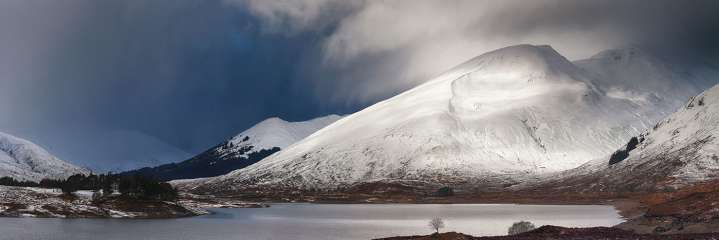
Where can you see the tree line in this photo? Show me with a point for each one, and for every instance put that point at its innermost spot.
(135, 187)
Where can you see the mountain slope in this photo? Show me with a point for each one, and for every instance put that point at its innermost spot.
(494, 120)
(680, 150)
(23, 160)
(247, 148)
(644, 79)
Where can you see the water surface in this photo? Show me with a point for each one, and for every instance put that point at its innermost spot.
(315, 221)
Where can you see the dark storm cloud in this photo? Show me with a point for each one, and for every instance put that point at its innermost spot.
(383, 46)
(189, 73)
(180, 76)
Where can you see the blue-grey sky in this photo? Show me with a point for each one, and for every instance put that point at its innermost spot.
(114, 84)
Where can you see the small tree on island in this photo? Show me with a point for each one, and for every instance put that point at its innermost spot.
(436, 223)
(520, 227)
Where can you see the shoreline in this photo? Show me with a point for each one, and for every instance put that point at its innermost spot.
(631, 208)
(51, 203)
(632, 211)
(197, 205)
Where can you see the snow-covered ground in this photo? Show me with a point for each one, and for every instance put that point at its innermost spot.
(517, 111)
(40, 202)
(24, 160)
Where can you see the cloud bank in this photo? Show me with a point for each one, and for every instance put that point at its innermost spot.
(372, 49)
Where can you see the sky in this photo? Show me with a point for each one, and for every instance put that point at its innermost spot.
(119, 84)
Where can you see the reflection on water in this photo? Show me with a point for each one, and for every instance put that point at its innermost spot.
(315, 221)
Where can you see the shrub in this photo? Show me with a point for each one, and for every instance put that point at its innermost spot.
(520, 227)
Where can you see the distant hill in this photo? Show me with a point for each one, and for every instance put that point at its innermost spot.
(24, 160)
(247, 148)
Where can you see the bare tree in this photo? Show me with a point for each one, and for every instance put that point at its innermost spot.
(520, 227)
(436, 223)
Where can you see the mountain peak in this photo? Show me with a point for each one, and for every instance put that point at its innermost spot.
(276, 123)
(521, 59)
(276, 132)
(516, 74)
(271, 123)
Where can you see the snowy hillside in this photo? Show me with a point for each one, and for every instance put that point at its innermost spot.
(247, 148)
(23, 160)
(502, 116)
(273, 132)
(681, 149)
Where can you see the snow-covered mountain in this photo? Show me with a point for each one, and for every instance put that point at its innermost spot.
(680, 150)
(247, 148)
(23, 160)
(498, 118)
